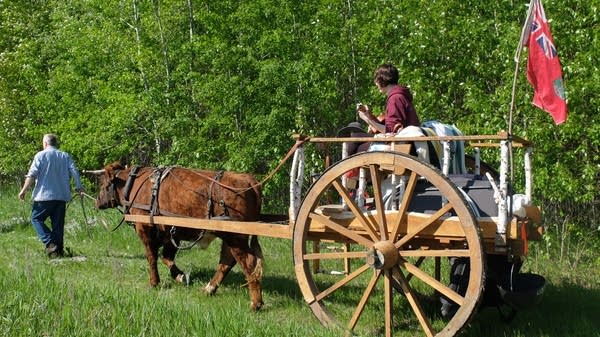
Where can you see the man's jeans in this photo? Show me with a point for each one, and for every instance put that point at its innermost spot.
(55, 210)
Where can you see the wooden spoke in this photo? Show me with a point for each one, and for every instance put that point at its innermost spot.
(341, 283)
(388, 293)
(437, 285)
(341, 229)
(408, 193)
(355, 210)
(412, 300)
(363, 300)
(445, 209)
(335, 255)
(378, 197)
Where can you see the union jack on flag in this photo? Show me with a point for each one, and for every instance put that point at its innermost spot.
(542, 39)
(547, 46)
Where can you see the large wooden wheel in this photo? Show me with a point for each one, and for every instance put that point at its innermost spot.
(395, 282)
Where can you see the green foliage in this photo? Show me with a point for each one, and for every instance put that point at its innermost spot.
(224, 84)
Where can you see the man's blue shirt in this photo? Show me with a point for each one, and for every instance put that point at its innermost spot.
(52, 170)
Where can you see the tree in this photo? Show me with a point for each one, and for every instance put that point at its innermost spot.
(224, 84)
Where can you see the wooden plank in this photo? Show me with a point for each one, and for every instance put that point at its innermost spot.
(502, 135)
(404, 139)
(241, 227)
(449, 227)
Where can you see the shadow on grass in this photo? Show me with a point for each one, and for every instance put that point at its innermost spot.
(285, 286)
(565, 310)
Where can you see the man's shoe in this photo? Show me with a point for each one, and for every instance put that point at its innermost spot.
(52, 250)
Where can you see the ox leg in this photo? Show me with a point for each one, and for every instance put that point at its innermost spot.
(147, 235)
(226, 262)
(168, 258)
(249, 257)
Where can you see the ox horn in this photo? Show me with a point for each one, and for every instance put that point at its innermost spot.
(94, 172)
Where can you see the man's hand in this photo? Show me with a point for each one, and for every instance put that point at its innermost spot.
(28, 182)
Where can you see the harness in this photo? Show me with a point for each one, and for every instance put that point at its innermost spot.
(210, 206)
(127, 189)
(156, 178)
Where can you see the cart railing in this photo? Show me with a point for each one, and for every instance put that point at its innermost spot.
(501, 140)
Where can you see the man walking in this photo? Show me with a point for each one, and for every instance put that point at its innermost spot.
(51, 171)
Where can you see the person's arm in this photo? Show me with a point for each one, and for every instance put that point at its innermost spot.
(374, 126)
(76, 178)
(28, 182)
(365, 114)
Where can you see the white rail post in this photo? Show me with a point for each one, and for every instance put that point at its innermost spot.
(344, 178)
(397, 186)
(447, 157)
(528, 173)
(500, 241)
(360, 191)
(296, 177)
(477, 161)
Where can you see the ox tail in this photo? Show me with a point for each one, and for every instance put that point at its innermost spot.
(257, 274)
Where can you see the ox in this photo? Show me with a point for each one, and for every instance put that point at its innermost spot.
(176, 191)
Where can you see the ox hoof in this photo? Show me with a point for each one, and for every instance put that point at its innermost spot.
(210, 289)
(183, 279)
(256, 306)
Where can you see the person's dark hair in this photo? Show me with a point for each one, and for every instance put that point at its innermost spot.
(51, 139)
(386, 74)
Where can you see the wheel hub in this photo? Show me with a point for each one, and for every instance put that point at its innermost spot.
(383, 255)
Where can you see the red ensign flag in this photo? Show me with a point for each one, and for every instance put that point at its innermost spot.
(543, 67)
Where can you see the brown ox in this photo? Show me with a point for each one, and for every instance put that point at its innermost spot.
(191, 193)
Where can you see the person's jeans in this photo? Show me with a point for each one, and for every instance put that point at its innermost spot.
(55, 210)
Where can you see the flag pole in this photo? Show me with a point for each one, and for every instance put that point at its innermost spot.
(522, 41)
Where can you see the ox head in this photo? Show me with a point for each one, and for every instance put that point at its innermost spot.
(109, 185)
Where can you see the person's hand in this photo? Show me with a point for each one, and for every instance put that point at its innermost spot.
(22, 195)
(80, 191)
(364, 112)
(362, 107)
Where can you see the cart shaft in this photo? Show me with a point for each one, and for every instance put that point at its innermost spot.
(232, 226)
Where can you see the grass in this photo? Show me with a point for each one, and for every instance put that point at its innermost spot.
(103, 289)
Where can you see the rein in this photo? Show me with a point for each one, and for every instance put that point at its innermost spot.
(239, 190)
(128, 204)
(82, 210)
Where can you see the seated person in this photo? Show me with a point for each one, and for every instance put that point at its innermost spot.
(399, 110)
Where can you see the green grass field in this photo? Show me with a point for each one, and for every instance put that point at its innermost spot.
(102, 290)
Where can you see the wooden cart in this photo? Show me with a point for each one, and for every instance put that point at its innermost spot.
(371, 258)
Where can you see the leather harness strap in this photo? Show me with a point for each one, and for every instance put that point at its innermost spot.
(156, 178)
(210, 209)
(127, 189)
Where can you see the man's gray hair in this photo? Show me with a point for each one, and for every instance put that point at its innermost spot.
(51, 139)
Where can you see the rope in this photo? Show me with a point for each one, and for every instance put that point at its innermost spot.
(298, 143)
(88, 196)
(83, 211)
(92, 198)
